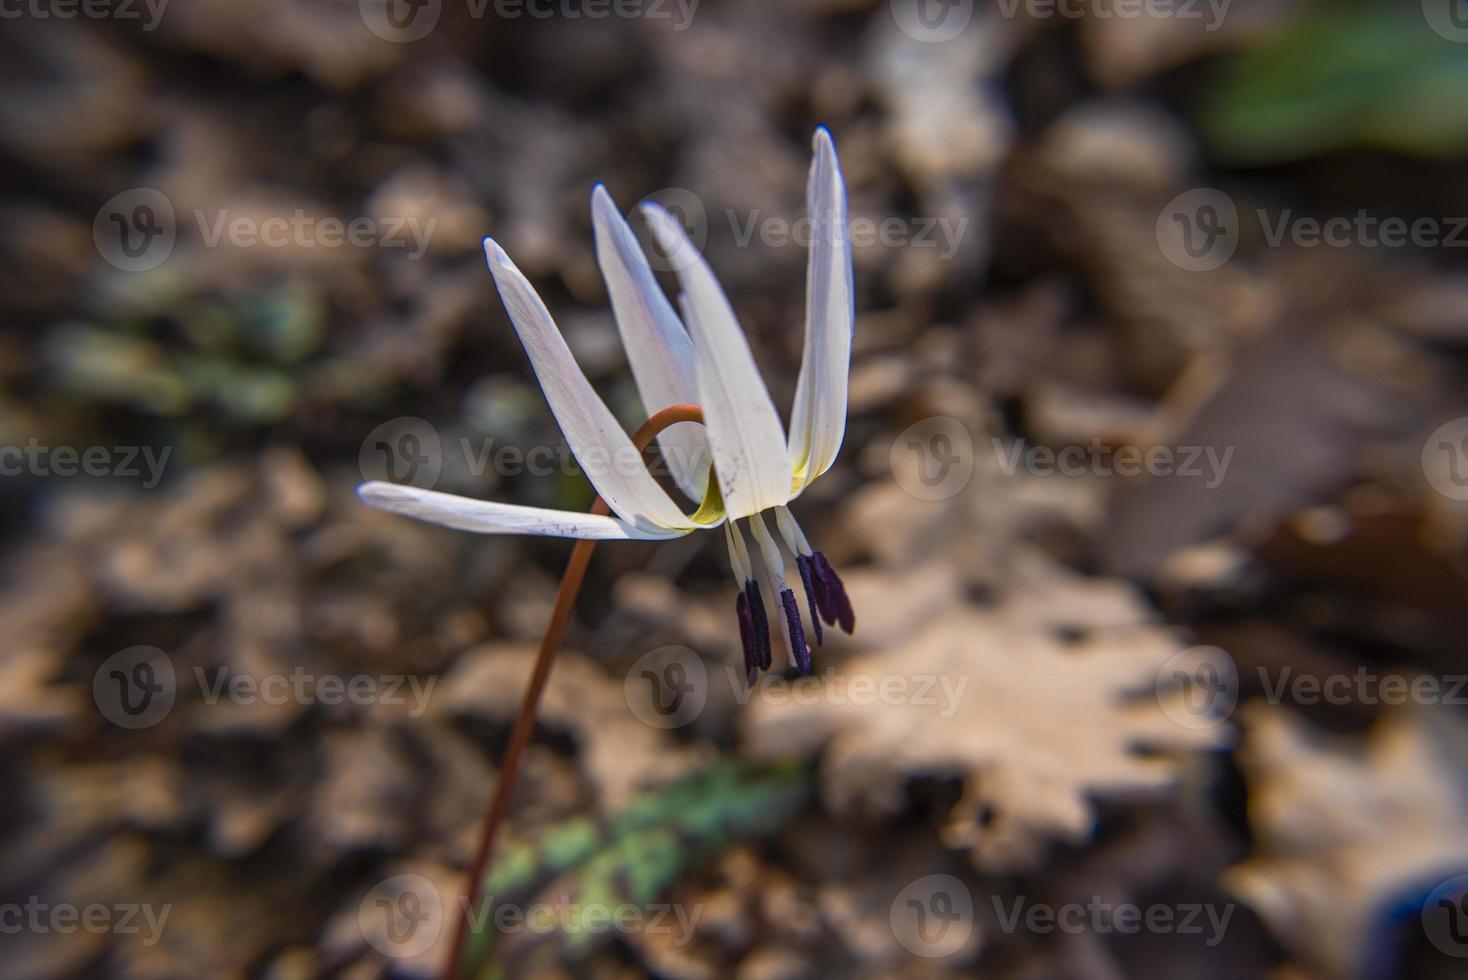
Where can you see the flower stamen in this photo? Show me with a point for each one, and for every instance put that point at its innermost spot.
(799, 546)
(763, 648)
(749, 607)
(789, 612)
(831, 594)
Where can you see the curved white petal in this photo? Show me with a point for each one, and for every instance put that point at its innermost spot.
(744, 429)
(657, 345)
(488, 517)
(610, 460)
(818, 418)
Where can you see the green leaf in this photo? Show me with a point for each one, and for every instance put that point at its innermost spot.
(582, 872)
(1349, 77)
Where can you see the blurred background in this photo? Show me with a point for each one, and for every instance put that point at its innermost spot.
(1151, 504)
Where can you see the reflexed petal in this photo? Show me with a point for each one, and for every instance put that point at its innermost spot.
(657, 345)
(818, 418)
(612, 463)
(488, 517)
(744, 429)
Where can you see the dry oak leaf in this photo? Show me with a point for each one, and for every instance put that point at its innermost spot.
(1034, 720)
(1343, 829)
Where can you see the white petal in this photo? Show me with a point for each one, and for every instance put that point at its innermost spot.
(611, 462)
(658, 348)
(487, 517)
(818, 419)
(744, 429)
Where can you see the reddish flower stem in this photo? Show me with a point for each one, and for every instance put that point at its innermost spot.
(529, 705)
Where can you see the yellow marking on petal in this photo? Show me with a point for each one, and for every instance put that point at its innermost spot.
(711, 511)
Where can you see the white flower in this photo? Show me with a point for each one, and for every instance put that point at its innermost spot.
(703, 359)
